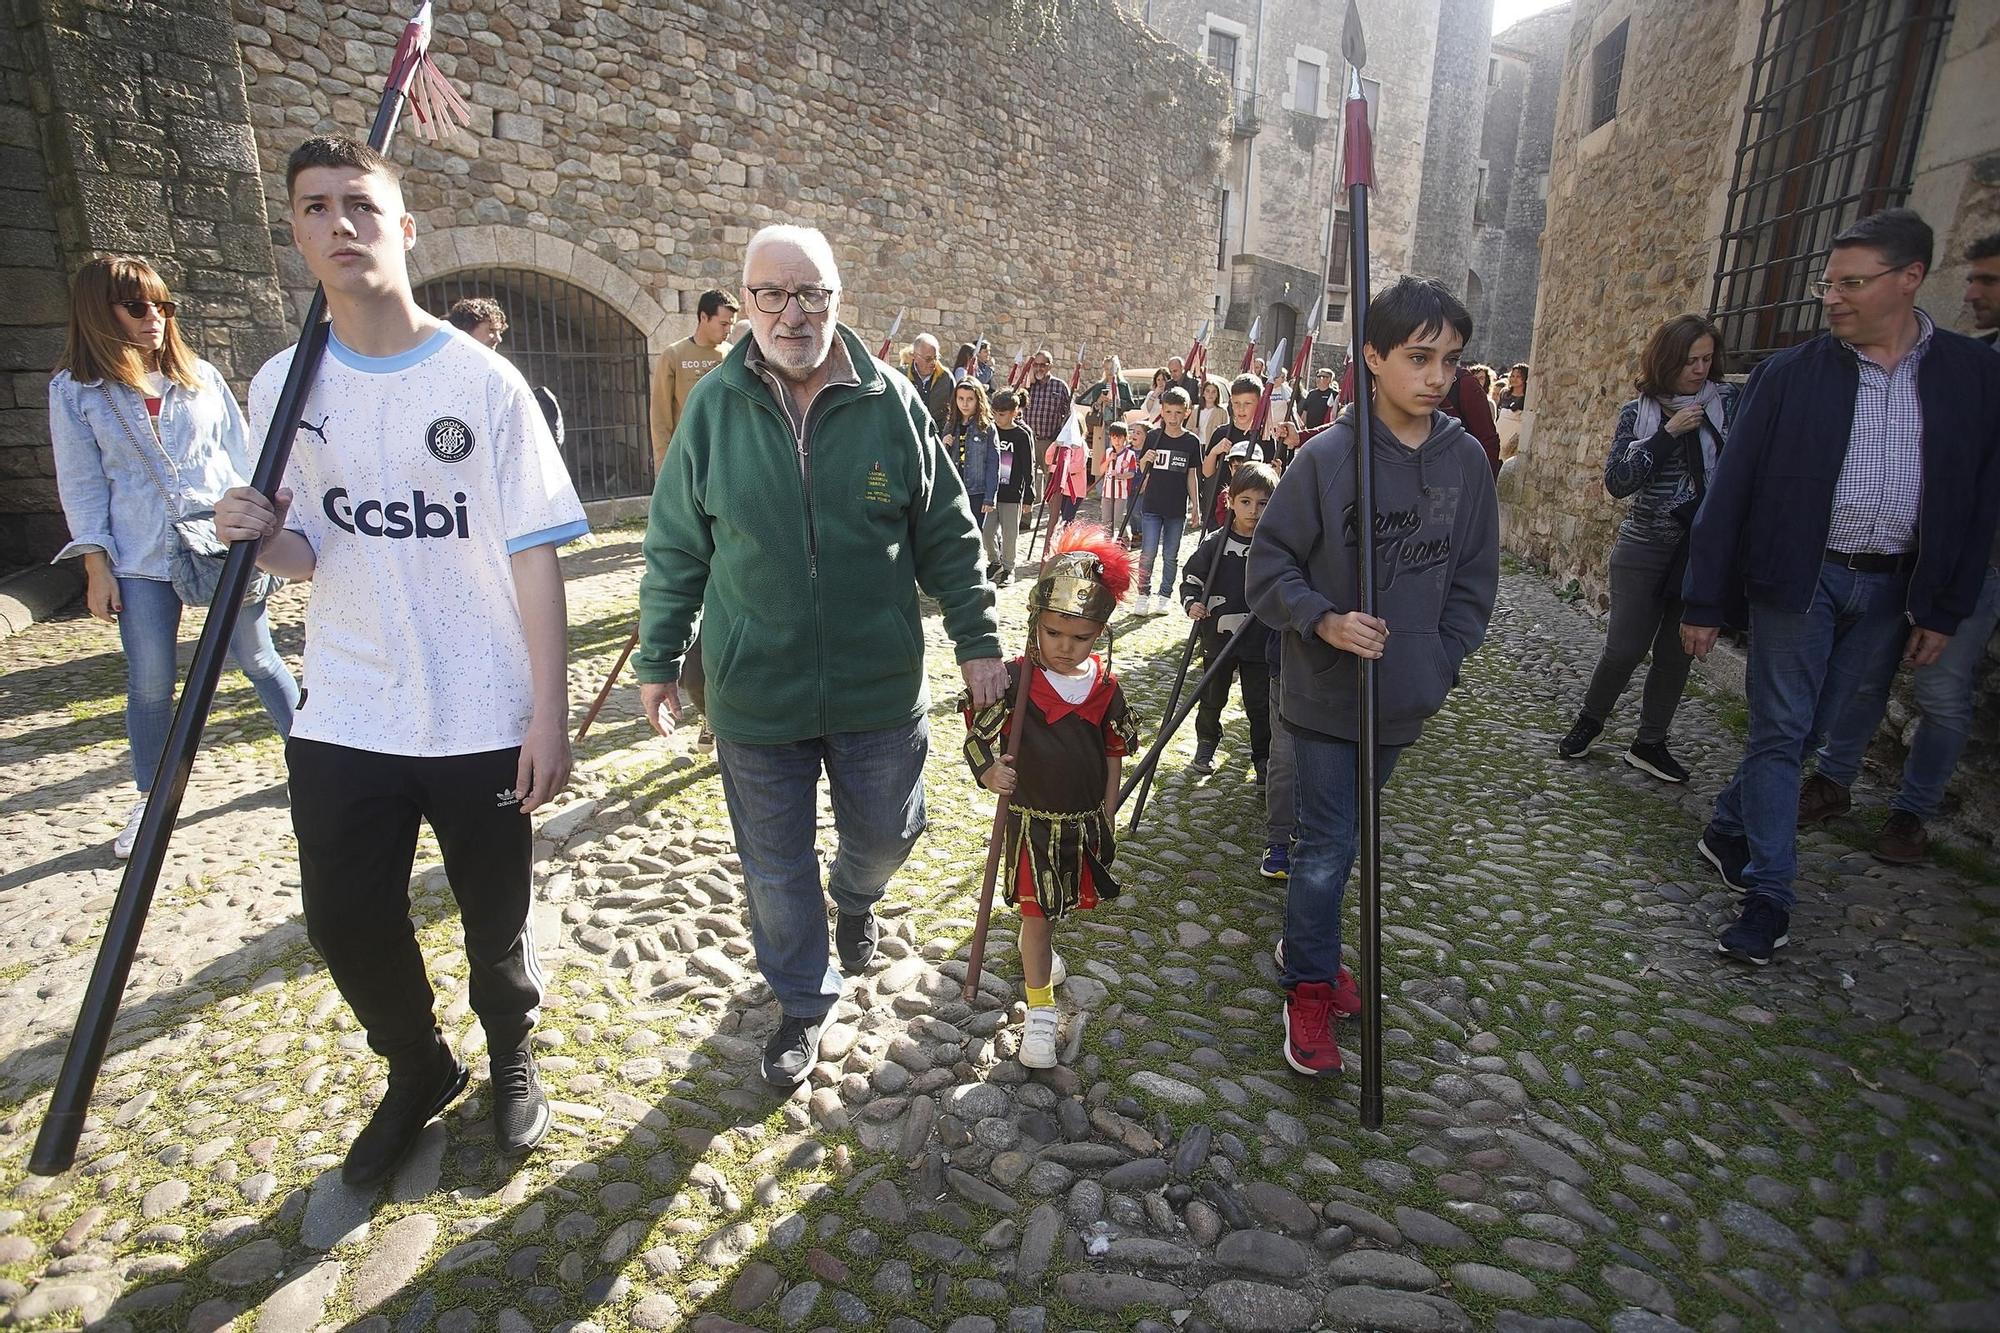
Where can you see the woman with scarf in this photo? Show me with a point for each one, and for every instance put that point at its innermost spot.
(1662, 455)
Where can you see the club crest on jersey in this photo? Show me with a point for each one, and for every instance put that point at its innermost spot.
(449, 440)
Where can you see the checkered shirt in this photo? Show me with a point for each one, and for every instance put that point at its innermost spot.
(1047, 410)
(1882, 481)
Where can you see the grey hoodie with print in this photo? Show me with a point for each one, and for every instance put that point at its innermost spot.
(1437, 568)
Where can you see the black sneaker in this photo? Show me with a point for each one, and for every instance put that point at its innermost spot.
(855, 937)
(1203, 762)
(1652, 757)
(415, 1096)
(1762, 928)
(1581, 733)
(520, 1108)
(793, 1050)
(1730, 857)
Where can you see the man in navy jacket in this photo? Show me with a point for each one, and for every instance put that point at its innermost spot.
(1853, 510)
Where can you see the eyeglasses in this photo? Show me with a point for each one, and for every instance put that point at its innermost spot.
(138, 309)
(773, 300)
(1821, 286)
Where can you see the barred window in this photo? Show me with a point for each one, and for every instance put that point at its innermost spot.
(589, 357)
(1607, 72)
(1838, 93)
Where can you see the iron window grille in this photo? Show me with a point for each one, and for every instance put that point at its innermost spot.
(587, 354)
(1838, 93)
(1607, 72)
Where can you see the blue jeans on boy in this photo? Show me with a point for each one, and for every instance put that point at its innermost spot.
(1159, 533)
(1804, 667)
(1943, 694)
(876, 781)
(1328, 831)
(149, 628)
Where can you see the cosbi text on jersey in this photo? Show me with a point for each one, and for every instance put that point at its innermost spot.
(414, 517)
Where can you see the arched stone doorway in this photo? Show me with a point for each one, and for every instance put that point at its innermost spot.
(591, 357)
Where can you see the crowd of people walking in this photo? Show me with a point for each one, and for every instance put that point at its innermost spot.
(1840, 506)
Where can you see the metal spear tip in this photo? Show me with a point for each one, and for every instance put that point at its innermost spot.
(1353, 42)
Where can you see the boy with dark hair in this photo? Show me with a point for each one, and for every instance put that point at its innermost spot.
(1219, 607)
(1001, 529)
(479, 316)
(1437, 570)
(1233, 442)
(430, 501)
(1168, 480)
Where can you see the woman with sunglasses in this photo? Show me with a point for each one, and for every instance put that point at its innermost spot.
(146, 433)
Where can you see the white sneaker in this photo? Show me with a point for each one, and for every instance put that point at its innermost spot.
(1038, 1038)
(121, 846)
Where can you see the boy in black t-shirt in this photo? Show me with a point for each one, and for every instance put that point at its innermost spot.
(1231, 444)
(1220, 607)
(1169, 481)
(1001, 529)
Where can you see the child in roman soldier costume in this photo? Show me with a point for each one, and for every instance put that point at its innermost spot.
(1063, 783)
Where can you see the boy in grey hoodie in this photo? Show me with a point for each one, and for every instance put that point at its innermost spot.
(1437, 567)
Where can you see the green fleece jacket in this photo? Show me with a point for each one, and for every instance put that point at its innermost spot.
(805, 563)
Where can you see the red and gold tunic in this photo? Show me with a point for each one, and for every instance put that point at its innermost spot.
(1057, 838)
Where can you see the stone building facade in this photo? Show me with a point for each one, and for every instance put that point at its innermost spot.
(1655, 207)
(1281, 211)
(1523, 80)
(622, 154)
(1442, 246)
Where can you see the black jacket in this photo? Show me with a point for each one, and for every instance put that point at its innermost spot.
(1761, 532)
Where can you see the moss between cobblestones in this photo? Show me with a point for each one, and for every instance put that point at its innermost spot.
(1458, 893)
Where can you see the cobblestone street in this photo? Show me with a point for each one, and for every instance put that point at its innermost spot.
(1593, 1120)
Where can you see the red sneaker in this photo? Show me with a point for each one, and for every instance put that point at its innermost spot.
(1346, 995)
(1309, 1044)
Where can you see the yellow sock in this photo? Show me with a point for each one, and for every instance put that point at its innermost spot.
(1041, 997)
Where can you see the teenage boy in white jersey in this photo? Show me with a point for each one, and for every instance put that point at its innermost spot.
(425, 500)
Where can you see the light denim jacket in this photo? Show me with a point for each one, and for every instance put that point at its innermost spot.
(109, 497)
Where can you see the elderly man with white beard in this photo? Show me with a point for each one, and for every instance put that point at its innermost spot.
(806, 500)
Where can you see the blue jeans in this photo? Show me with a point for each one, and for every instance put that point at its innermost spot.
(876, 781)
(1159, 533)
(149, 627)
(1329, 830)
(1943, 694)
(1803, 669)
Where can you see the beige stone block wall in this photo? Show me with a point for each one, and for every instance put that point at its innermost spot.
(1634, 210)
(632, 147)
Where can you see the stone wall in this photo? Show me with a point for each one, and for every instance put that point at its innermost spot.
(1442, 247)
(1629, 242)
(1516, 142)
(634, 147)
(124, 130)
(1635, 210)
(628, 147)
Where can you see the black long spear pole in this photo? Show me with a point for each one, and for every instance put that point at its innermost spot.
(1220, 663)
(1360, 174)
(62, 1127)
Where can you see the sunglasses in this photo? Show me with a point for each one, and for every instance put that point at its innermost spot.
(138, 309)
